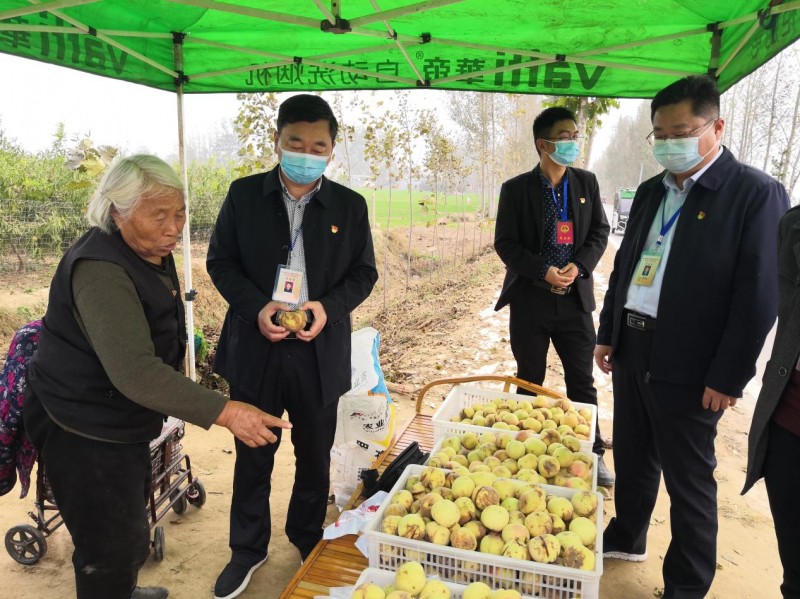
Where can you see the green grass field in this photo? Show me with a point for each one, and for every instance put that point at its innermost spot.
(424, 209)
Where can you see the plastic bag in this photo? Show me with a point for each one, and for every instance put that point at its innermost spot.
(365, 419)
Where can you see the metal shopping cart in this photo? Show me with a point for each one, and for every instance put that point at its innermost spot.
(173, 485)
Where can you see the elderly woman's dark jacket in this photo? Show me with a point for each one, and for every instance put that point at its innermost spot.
(66, 374)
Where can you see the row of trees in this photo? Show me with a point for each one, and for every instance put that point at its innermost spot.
(43, 195)
(41, 200)
(448, 144)
(762, 114)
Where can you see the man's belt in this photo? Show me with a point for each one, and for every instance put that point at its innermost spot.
(641, 322)
(553, 288)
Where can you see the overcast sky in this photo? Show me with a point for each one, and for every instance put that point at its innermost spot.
(36, 96)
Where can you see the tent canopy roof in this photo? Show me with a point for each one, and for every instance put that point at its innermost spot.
(620, 48)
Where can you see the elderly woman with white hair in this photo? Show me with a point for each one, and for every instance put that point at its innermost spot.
(108, 371)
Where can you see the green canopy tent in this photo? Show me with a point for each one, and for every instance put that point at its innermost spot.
(619, 48)
(615, 48)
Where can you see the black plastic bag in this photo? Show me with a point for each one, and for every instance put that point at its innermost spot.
(374, 483)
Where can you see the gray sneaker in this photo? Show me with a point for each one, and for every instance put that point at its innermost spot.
(605, 478)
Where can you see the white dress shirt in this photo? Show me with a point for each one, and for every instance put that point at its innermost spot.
(643, 299)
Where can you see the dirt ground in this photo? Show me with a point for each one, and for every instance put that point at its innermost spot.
(446, 327)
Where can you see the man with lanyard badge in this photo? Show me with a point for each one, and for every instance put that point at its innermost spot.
(551, 232)
(691, 298)
(288, 238)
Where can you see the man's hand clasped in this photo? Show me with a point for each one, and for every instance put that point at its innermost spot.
(269, 329)
(563, 277)
(320, 320)
(275, 332)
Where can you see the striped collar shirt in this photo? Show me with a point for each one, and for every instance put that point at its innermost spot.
(295, 209)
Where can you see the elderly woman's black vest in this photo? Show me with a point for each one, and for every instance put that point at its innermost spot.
(66, 374)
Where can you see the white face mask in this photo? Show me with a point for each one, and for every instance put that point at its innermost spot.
(680, 155)
(566, 152)
(302, 168)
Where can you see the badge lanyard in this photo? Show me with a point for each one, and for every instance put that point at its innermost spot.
(564, 235)
(563, 210)
(645, 272)
(293, 243)
(665, 227)
(288, 283)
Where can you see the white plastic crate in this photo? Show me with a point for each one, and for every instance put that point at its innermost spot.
(386, 577)
(438, 447)
(541, 581)
(462, 396)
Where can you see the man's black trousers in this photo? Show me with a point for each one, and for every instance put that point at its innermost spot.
(663, 428)
(291, 383)
(539, 316)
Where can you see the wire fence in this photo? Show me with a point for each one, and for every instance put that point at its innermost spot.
(34, 235)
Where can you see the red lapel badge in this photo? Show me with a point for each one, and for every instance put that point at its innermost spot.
(701, 215)
(334, 229)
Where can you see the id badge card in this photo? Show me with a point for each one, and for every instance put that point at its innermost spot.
(287, 285)
(646, 269)
(564, 232)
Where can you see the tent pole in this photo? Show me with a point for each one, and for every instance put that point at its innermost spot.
(29, 10)
(716, 45)
(189, 292)
(91, 31)
(393, 35)
(738, 48)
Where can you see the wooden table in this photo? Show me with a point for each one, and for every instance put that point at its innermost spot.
(337, 563)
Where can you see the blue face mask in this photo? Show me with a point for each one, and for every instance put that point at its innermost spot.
(303, 168)
(566, 152)
(679, 155)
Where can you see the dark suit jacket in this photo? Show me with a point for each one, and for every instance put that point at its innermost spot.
(719, 295)
(249, 242)
(519, 231)
(786, 350)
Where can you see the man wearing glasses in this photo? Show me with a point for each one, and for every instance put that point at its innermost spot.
(693, 293)
(551, 232)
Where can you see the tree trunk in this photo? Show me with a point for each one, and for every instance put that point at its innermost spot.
(783, 172)
(464, 226)
(386, 248)
(374, 214)
(410, 230)
(473, 236)
(22, 257)
(589, 143)
(772, 112)
(746, 139)
(582, 102)
(436, 211)
(493, 163)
